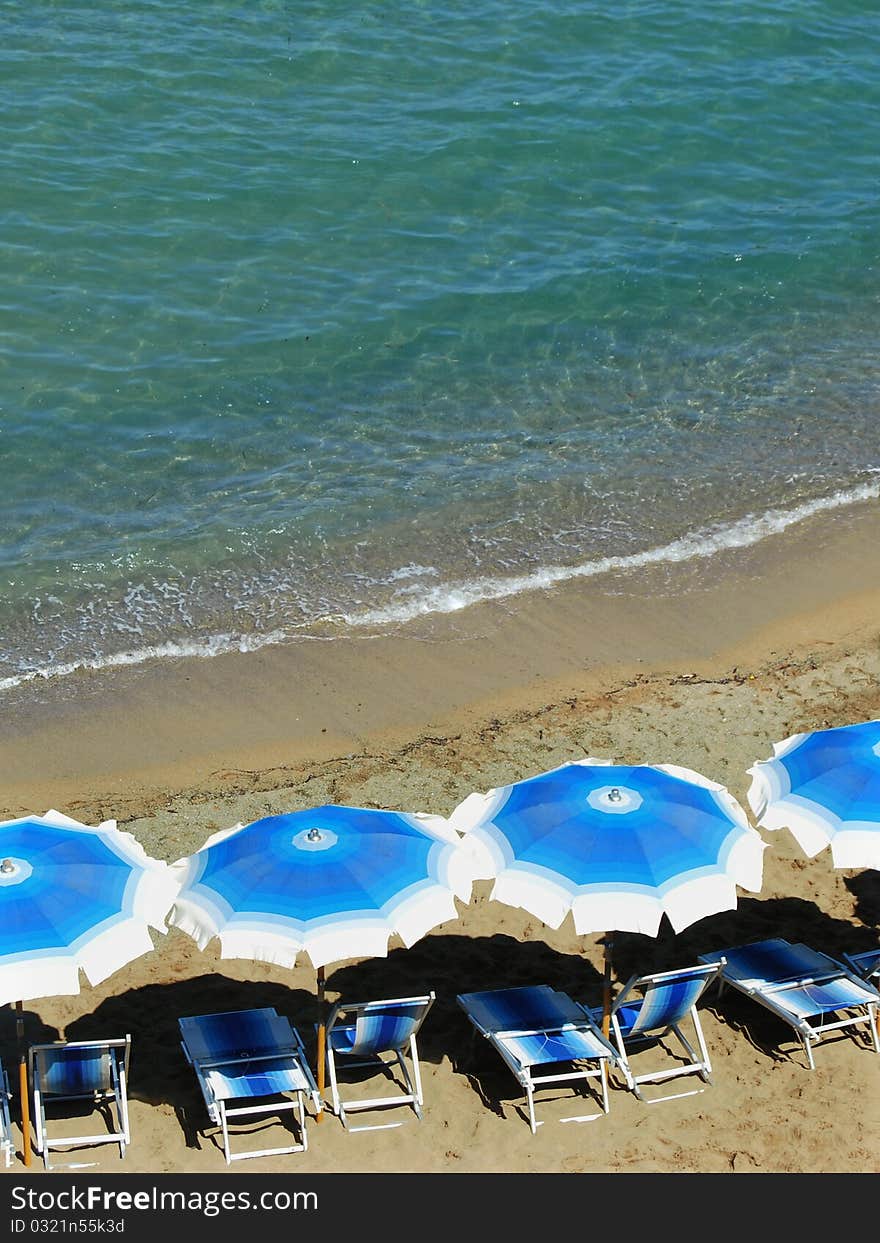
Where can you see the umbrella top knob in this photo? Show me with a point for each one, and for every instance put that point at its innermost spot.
(314, 839)
(615, 800)
(14, 871)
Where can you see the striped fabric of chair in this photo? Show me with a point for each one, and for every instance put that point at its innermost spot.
(647, 1010)
(254, 1056)
(665, 1004)
(377, 1035)
(535, 1025)
(70, 1070)
(66, 1071)
(810, 991)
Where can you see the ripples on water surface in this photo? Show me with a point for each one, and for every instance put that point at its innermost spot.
(309, 314)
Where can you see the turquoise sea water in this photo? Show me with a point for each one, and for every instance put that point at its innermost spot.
(316, 315)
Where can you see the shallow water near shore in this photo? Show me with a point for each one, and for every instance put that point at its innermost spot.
(395, 312)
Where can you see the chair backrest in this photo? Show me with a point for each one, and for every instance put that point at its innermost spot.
(668, 996)
(77, 1068)
(235, 1033)
(381, 1026)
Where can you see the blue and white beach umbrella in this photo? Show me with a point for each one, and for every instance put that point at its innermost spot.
(335, 882)
(824, 786)
(617, 845)
(73, 897)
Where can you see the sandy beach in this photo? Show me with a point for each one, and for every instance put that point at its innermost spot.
(704, 667)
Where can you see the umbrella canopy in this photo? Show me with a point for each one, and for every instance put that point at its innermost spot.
(336, 882)
(73, 897)
(619, 846)
(824, 786)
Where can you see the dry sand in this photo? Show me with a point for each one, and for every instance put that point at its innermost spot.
(700, 669)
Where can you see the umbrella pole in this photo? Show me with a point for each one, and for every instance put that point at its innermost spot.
(23, 1086)
(606, 987)
(322, 1043)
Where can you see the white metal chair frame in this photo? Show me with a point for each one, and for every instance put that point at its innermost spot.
(565, 1020)
(341, 1016)
(292, 1100)
(861, 1010)
(655, 1033)
(113, 1092)
(6, 1143)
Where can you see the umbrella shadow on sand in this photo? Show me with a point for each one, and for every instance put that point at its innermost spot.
(865, 888)
(160, 1075)
(755, 919)
(458, 964)
(449, 965)
(35, 1032)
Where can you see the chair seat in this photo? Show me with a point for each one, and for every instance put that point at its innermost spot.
(78, 1070)
(75, 1072)
(828, 997)
(247, 1056)
(651, 1008)
(535, 1026)
(545, 1048)
(266, 1077)
(235, 1033)
(381, 1037)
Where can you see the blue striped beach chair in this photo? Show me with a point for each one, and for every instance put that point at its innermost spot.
(250, 1064)
(545, 1038)
(376, 1035)
(66, 1071)
(6, 1144)
(650, 1008)
(810, 991)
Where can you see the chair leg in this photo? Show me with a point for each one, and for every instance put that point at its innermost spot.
(701, 1063)
(603, 1078)
(412, 1081)
(337, 1106)
(530, 1101)
(120, 1089)
(808, 1049)
(623, 1061)
(873, 1024)
(417, 1074)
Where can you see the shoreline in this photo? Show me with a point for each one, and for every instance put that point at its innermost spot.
(120, 742)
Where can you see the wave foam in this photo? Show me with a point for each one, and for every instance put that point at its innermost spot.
(705, 542)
